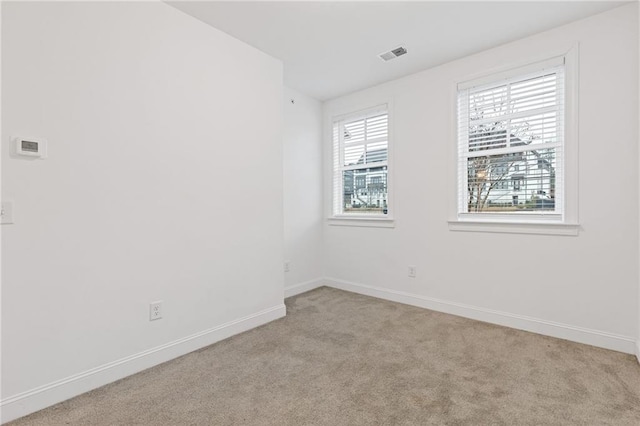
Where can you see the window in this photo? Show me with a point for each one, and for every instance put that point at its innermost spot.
(511, 146)
(361, 165)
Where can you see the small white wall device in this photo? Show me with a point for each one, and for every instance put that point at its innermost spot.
(31, 147)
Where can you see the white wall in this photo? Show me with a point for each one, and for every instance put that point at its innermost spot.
(302, 191)
(638, 118)
(163, 182)
(582, 288)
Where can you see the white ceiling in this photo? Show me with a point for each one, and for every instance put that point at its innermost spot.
(330, 48)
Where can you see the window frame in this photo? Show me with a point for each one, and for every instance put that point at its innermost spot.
(339, 218)
(532, 223)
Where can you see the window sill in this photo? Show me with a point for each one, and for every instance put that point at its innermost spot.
(362, 221)
(540, 228)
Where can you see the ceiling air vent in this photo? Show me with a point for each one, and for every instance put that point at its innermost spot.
(392, 54)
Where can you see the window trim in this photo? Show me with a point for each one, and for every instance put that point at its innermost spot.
(354, 219)
(549, 224)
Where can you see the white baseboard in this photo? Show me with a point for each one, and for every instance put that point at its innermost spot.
(44, 396)
(638, 351)
(548, 328)
(303, 287)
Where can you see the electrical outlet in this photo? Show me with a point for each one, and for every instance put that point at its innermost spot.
(155, 310)
(6, 212)
(287, 266)
(412, 271)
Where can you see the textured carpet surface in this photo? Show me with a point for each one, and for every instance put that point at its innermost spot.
(344, 359)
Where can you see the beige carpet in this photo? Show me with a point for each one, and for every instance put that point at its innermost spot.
(343, 359)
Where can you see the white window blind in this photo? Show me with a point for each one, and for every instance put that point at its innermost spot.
(361, 163)
(511, 145)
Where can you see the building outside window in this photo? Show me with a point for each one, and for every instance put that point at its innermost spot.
(511, 143)
(361, 164)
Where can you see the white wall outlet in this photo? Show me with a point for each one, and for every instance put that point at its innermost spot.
(412, 271)
(287, 266)
(6, 212)
(155, 310)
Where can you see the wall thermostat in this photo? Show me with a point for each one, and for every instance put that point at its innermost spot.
(31, 147)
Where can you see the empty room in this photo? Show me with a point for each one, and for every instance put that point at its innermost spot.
(320, 213)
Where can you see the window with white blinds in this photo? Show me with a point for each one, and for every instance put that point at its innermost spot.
(511, 144)
(361, 164)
